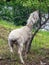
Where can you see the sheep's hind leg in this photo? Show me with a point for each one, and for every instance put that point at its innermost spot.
(11, 46)
(20, 49)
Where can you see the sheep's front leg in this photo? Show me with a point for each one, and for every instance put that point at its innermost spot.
(26, 48)
(20, 49)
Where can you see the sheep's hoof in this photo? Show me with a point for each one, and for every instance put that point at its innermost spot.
(11, 51)
(23, 62)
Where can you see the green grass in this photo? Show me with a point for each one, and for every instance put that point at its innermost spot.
(39, 44)
(41, 39)
(8, 24)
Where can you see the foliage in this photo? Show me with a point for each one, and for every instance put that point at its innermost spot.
(18, 11)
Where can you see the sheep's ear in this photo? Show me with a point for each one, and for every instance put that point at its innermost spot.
(37, 11)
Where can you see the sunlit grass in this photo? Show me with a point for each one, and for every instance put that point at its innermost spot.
(8, 24)
(41, 41)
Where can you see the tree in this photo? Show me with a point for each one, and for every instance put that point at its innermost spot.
(7, 0)
(22, 8)
(41, 24)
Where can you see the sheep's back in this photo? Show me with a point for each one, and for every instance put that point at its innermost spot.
(21, 34)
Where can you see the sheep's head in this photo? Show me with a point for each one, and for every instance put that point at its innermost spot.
(34, 16)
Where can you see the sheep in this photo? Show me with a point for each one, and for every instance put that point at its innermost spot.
(22, 36)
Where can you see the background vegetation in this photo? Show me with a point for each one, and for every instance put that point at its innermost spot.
(18, 11)
(14, 14)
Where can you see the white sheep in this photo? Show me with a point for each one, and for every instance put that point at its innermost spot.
(23, 35)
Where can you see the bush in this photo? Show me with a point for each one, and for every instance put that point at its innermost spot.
(18, 11)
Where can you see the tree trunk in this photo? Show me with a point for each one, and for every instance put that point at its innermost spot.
(37, 31)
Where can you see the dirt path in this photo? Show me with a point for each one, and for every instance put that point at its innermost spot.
(31, 60)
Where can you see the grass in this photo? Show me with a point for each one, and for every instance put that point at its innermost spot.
(40, 44)
(8, 24)
(41, 41)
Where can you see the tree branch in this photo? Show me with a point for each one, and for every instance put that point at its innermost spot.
(36, 33)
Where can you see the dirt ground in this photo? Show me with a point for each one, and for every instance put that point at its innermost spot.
(32, 59)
